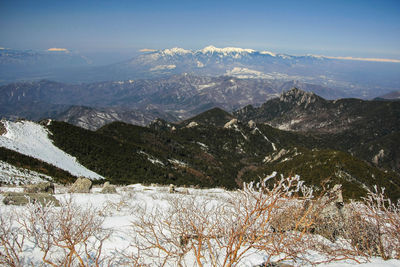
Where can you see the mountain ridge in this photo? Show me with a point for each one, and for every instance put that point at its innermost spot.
(173, 98)
(368, 129)
(360, 79)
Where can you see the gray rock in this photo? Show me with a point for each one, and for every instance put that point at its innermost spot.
(3, 129)
(329, 215)
(17, 198)
(81, 185)
(45, 187)
(108, 188)
(171, 188)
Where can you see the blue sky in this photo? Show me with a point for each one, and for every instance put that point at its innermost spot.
(326, 27)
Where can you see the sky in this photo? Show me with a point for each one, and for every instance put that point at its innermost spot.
(333, 28)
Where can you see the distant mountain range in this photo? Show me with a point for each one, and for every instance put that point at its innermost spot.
(18, 65)
(139, 102)
(217, 148)
(360, 79)
(395, 95)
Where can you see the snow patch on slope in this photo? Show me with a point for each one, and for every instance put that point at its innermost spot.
(12, 175)
(203, 86)
(32, 139)
(163, 67)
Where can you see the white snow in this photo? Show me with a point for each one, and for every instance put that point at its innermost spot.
(268, 53)
(233, 124)
(245, 73)
(199, 64)
(176, 50)
(288, 126)
(178, 162)
(203, 146)
(226, 50)
(121, 210)
(203, 86)
(32, 139)
(163, 67)
(152, 159)
(266, 138)
(10, 174)
(230, 124)
(192, 124)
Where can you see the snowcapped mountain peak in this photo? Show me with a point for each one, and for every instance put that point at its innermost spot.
(175, 51)
(268, 53)
(226, 50)
(235, 52)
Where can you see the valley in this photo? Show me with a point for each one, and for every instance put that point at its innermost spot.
(218, 148)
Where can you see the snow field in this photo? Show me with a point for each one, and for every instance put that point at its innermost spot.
(9, 174)
(32, 139)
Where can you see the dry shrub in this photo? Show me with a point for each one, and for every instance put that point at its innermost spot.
(12, 240)
(374, 226)
(223, 233)
(67, 236)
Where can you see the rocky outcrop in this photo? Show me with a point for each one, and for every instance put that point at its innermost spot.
(108, 188)
(81, 185)
(3, 129)
(18, 198)
(231, 124)
(45, 187)
(329, 215)
(171, 188)
(324, 216)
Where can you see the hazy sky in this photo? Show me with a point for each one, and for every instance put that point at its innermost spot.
(328, 27)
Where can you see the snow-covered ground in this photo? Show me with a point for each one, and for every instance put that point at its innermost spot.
(32, 139)
(120, 211)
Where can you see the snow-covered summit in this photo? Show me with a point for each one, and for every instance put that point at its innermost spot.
(234, 52)
(32, 139)
(226, 50)
(268, 53)
(175, 51)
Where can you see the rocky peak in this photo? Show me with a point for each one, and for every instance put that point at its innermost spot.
(3, 129)
(160, 124)
(298, 96)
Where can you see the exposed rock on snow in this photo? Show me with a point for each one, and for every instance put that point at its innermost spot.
(3, 129)
(171, 188)
(378, 156)
(18, 198)
(230, 123)
(108, 188)
(46, 187)
(81, 185)
(251, 124)
(192, 124)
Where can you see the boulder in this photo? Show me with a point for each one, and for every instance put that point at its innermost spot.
(171, 188)
(45, 187)
(81, 185)
(329, 214)
(18, 198)
(108, 188)
(251, 124)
